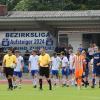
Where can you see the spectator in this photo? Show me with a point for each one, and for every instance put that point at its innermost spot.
(95, 47)
(70, 47)
(80, 48)
(91, 51)
(26, 58)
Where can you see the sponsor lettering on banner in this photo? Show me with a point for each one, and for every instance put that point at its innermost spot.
(28, 40)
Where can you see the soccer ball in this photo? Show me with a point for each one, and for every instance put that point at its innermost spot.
(13, 65)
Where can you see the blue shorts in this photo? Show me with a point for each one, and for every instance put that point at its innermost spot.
(96, 70)
(17, 73)
(54, 72)
(33, 72)
(65, 71)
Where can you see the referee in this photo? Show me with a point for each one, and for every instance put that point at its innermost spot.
(44, 62)
(9, 62)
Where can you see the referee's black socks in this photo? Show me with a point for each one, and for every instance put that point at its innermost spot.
(50, 86)
(40, 82)
(10, 83)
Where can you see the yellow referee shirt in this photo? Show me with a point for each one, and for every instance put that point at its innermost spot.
(9, 60)
(44, 60)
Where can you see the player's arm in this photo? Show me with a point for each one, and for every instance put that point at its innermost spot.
(66, 61)
(98, 64)
(60, 64)
(4, 61)
(84, 64)
(29, 64)
(14, 62)
(73, 63)
(91, 64)
(22, 64)
(49, 60)
(39, 59)
(51, 63)
(3, 64)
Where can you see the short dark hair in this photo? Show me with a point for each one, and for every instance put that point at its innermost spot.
(16, 51)
(54, 54)
(62, 53)
(10, 48)
(34, 50)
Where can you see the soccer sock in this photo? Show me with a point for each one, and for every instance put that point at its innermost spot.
(35, 81)
(19, 85)
(63, 81)
(83, 81)
(50, 86)
(56, 81)
(79, 81)
(99, 82)
(40, 82)
(10, 83)
(93, 81)
(87, 83)
(14, 83)
(53, 80)
(72, 82)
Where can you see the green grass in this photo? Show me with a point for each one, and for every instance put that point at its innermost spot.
(58, 93)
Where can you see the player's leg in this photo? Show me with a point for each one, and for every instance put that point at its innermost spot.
(63, 76)
(14, 79)
(53, 76)
(98, 75)
(78, 78)
(67, 75)
(93, 78)
(99, 81)
(35, 78)
(86, 77)
(10, 78)
(57, 76)
(60, 75)
(41, 74)
(47, 73)
(73, 77)
(20, 79)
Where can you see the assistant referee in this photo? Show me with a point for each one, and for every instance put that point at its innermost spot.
(9, 62)
(44, 64)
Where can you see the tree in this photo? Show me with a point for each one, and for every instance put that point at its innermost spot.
(51, 5)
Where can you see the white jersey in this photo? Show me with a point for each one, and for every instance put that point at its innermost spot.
(64, 61)
(71, 60)
(19, 63)
(33, 60)
(91, 51)
(55, 63)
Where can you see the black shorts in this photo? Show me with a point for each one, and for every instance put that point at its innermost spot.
(44, 71)
(8, 71)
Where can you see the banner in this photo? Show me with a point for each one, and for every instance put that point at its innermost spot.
(28, 40)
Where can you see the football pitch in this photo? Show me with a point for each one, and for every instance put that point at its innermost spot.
(27, 92)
